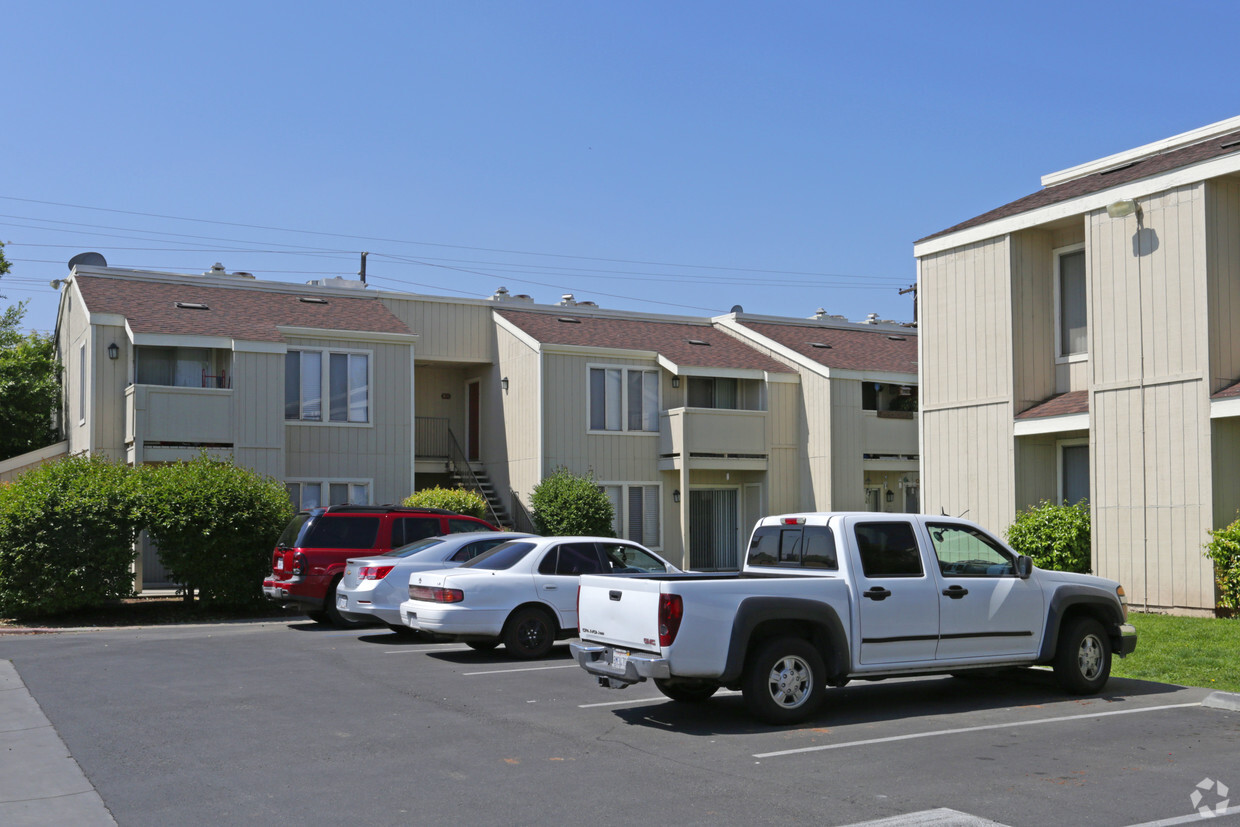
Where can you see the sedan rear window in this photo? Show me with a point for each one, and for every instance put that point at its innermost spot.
(503, 556)
(414, 548)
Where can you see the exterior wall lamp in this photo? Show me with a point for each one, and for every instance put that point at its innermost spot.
(503, 383)
(891, 496)
(676, 496)
(675, 381)
(113, 351)
(1124, 208)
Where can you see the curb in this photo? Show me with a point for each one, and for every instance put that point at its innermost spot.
(1223, 700)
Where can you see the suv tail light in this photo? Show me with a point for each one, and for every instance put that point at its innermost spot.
(671, 611)
(374, 572)
(435, 594)
(299, 564)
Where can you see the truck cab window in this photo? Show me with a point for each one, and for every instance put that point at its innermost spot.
(963, 552)
(888, 549)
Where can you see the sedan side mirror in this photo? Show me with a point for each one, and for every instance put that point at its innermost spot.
(1024, 567)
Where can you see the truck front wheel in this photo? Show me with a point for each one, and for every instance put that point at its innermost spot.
(785, 681)
(686, 692)
(1083, 657)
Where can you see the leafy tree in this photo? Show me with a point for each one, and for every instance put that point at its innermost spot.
(1224, 550)
(1055, 536)
(29, 383)
(215, 525)
(67, 532)
(566, 503)
(452, 499)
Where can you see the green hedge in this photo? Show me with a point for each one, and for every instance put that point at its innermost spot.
(1224, 550)
(215, 525)
(1055, 536)
(67, 532)
(567, 504)
(452, 499)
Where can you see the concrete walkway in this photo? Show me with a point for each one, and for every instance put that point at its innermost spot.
(40, 783)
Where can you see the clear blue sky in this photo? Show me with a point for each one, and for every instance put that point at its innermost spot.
(675, 157)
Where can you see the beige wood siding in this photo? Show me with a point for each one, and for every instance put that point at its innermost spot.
(971, 473)
(1223, 276)
(381, 450)
(786, 463)
(258, 411)
(106, 400)
(965, 333)
(1033, 318)
(521, 407)
(848, 444)
(1037, 469)
(1152, 492)
(449, 331)
(626, 456)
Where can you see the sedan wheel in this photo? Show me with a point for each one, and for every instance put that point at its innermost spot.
(529, 633)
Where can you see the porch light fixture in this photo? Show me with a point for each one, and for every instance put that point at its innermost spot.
(113, 351)
(676, 496)
(675, 381)
(891, 496)
(503, 383)
(1123, 209)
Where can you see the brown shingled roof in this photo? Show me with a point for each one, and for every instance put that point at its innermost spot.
(238, 313)
(847, 349)
(1072, 402)
(669, 339)
(1229, 392)
(1215, 147)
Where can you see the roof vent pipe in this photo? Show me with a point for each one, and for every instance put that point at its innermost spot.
(871, 319)
(217, 269)
(567, 300)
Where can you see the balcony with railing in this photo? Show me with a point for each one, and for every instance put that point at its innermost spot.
(178, 415)
(713, 438)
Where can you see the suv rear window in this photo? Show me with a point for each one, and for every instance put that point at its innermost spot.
(292, 531)
(411, 529)
(332, 531)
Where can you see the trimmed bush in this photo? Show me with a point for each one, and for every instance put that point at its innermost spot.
(452, 499)
(1055, 536)
(215, 525)
(566, 504)
(67, 532)
(1224, 550)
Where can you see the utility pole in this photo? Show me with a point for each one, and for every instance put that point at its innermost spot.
(912, 288)
(362, 272)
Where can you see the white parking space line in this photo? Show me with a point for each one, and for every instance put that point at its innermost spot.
(962, 730)
(521, 669)
(941, 817)
(421, 650)
(655, 699)
(1188, 819)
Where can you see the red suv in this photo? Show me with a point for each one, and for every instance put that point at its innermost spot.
(310, 556)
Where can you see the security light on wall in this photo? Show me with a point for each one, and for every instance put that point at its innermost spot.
(675, 381)
(503, 383)
(891, 496)
(676, 496)
(113, 351)
(1122, 209)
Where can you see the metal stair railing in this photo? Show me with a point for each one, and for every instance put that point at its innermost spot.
(456, 462)
(521, 519)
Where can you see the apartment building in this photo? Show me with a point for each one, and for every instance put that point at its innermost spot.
(1081, 343)
(694, 427)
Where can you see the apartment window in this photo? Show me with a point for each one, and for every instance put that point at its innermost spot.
(1071, 313)
(635, 512)
(712, 392)
(306, 495)
(346, 377)
(1073, 471)
(624, 399)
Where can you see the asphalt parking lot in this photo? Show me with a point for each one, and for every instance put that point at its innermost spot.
(288, 722)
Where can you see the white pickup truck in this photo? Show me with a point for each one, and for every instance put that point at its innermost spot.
(826, 598)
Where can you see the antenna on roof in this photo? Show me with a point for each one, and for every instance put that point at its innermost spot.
(88, 260)
(362, 272)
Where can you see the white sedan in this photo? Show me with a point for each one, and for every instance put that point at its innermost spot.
(522, 593)
(373, 587)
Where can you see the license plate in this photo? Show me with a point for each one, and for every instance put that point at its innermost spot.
(619, 658)
(279, 564)
(342, 602)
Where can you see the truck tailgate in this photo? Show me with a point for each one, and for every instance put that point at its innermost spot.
(620, 611)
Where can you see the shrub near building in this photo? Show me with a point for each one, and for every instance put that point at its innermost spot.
(215, 524)
(67, 532)
(1224, 550)
(450, 499)
(566, 504)
(1055, 536)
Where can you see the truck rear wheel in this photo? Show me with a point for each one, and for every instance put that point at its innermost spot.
(687, 692)
(1083, 657)
(785, 681)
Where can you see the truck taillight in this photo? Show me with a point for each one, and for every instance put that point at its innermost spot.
(299, 564)
(671, 611)
(374, 572)
(435, 594)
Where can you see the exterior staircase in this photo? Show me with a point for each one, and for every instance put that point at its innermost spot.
(473, 477)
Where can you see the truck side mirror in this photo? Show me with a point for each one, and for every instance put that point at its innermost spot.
(1024, 567)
